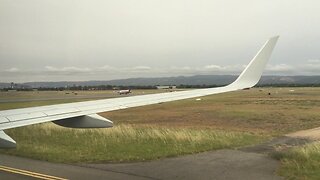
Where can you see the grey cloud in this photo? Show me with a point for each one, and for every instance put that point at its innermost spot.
(110, 72)
(282, 68)
(67, 69)
(73, 72)
(95, 70)
(214, 67)
(13, 69)
(314, 61)
(312, 67)
(141, 68)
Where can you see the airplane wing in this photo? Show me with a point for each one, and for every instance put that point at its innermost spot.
(84, 114)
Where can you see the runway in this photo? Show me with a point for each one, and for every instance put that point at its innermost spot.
(222, 164)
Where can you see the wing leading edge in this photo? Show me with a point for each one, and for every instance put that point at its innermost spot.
(83, 114)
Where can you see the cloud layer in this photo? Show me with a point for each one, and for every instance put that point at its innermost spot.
(107, 72)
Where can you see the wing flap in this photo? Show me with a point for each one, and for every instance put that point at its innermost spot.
(20, 117)
(97, 106)
(3, 120)
(61, 111)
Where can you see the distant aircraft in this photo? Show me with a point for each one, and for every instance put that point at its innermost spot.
(84, 114)
(127, 91)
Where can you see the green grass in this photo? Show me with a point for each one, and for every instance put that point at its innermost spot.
(301, 162)
(120, 143)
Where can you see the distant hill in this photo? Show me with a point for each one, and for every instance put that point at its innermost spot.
(297, 80)
(180, 80)
(4, 85)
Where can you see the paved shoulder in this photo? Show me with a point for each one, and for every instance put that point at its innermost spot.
(222, 164)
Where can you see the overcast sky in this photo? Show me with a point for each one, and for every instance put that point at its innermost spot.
(56, 40)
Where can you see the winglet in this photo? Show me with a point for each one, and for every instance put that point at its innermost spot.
(252, 73)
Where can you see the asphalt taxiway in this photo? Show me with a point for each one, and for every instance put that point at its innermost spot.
(221, 164)
(251, 162)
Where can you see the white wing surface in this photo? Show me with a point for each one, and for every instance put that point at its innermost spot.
(84, 114)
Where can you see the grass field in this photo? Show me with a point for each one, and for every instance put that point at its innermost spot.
(69, 94)
(301, 162)
(182, 127)
(12, 100)
(254, 111)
